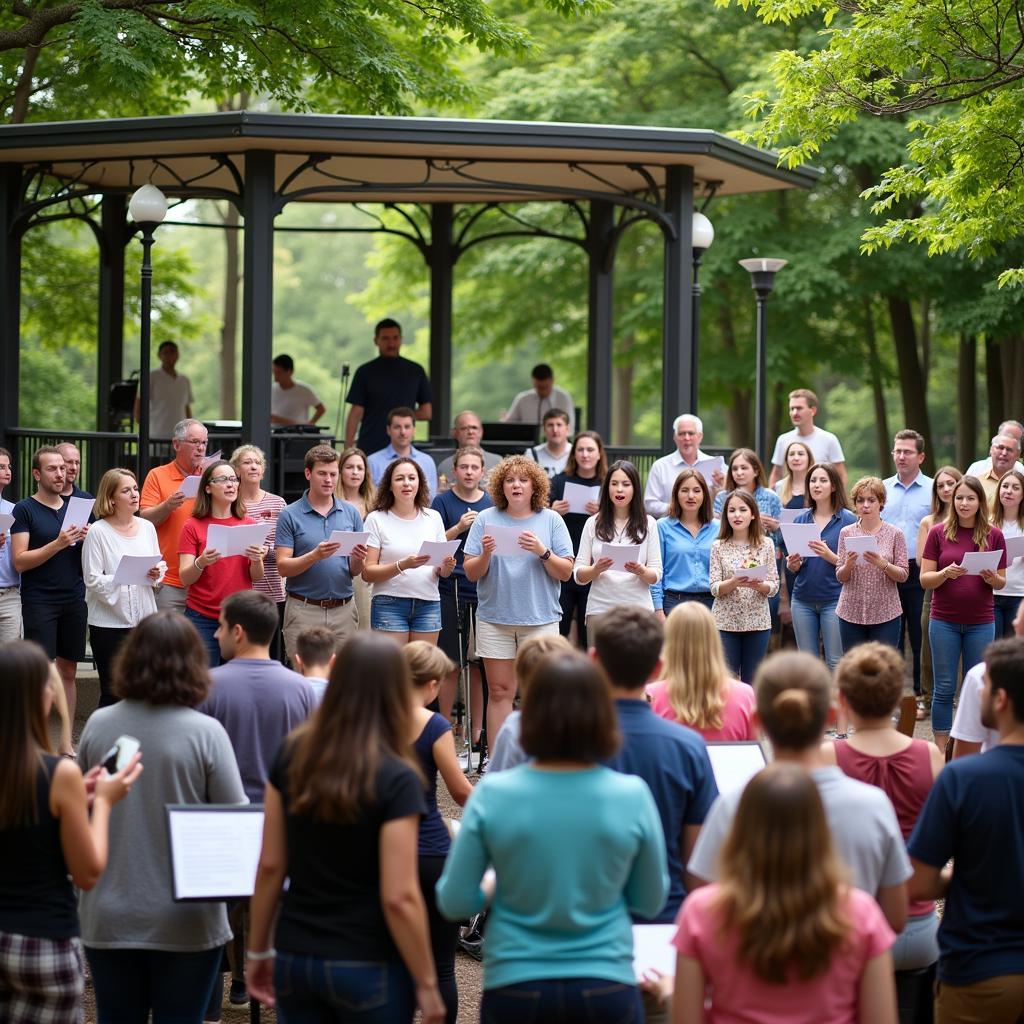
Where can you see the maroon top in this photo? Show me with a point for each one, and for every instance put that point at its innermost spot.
(967, 601)
(905, 778)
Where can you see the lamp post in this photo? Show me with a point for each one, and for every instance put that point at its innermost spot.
(147, 208)
(703, 234)
(762, 280)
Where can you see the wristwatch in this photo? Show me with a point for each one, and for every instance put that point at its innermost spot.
(546, 555)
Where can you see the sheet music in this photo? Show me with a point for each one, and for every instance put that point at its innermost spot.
(653, 949)
(735, 764)
(214, 853)
(233, 540)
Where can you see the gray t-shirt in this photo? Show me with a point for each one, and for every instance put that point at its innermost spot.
(863, 823)
(188, 760)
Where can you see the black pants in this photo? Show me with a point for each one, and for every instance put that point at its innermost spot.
(443, 936)
(912, 601)
(105, 642)
(573, 600)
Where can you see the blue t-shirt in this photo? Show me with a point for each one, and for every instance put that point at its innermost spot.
(816, 581)
(452, 508)
(673, 760)
(434, 838)
(59, 579)
(975, 814)
(382, 385)
(301, 528)
(516, 590)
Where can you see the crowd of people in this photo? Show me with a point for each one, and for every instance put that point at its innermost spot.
(630, 621)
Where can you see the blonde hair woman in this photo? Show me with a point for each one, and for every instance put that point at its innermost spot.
(698, 689)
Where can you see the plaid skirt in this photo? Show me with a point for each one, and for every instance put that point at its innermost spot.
(41, 980)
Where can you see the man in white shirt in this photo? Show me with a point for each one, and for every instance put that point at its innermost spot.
(554, 453)
(531, 405)
(290, 399)
(803, 407)
(982, 466)
(170, 394)
(689, 432)
(1004, 455)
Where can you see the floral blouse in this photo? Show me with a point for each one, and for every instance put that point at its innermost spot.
(869, 597)
(744, 610)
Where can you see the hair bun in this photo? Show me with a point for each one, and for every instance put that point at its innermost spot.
(793, 708)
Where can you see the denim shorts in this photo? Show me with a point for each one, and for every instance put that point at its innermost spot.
(390, 614)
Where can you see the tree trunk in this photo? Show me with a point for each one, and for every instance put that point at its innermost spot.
(1016, 397)
(622, 390)
(23, 90)
(229, 323)
(926, 342)
(737, 411)
(904, 336)
(993, 385)
(877, 391)
(967, 400)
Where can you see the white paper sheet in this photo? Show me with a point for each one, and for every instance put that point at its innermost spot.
(214, 853)
(620, 554)
(190, 485)
(348, 539)
(735, 764)
(797, 536)
(653, 949)
(438, 550)
(1014, 548)
(7, 521)
(862, 545)
(78, 512)
(758, 572)
(788, 515)
(507, 538)
(577, 495)
(233, 540)
(211, 459)
(709, 467)
(133, 569)
(975, 561)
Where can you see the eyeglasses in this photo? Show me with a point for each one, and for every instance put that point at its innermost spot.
(1002, 448)
(905, 453)
(194, 440)
(223, 479)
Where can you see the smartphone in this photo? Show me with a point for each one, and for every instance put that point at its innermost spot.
(118, 756)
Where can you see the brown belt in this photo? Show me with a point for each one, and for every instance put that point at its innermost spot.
(327, 602)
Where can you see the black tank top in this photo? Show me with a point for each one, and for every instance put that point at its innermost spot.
(36, 896)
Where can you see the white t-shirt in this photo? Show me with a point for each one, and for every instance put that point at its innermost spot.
(551, 464)
(398, 538)
(826, 446)
(168, 397)
(529, 407)
(1015, 571)
(616, 586)
(294, 403)
(967, 724)
(982, 466)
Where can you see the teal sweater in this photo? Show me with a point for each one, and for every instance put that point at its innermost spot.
(574, 854)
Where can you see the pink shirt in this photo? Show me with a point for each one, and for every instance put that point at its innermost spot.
(869, 597)
(738, 996)
(736, 715)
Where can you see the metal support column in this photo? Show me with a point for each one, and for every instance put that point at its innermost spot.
(258, 298)
(677, 332)
(442, 267)
(110, 332)
(600, 294)
(10, 301)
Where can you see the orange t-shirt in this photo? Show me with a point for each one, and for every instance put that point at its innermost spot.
(160, 484)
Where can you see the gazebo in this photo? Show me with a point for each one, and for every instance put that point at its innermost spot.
(455, 170)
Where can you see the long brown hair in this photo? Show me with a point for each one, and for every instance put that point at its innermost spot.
(24, 670)
(636, 527)
(366, 489)
(385, 496)
(998, 510)
(838, 498)
(750, 456)
(365, 716)
(601, 469)
(696, 675)
(203, 507)
(982, 526)
(781, 882)
(938, 509)
(755, 532)
(707, 506)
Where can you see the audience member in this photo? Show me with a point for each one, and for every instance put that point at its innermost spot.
(793, 693)
(49, 559)
(869, 604)
(434, 747)
(356, 487)
(696, 688)
(739, 945)
(343, 807)
(587, 466)
(973, 815)
(164, 503)
(1008, 517)
(814, 595)
(314, 656)
(745, 473)
(803, 407)
(406, 602)
(1005, 455)
(170, 394)
(531, 405)
(114, 608)
(558, 933)
(518, 595)
(10, 580)
(672, 761)
(319, 579)
(741, 608)
(685, 536)
(554, 452)
(290, 399)
(209, 576)
(72, 467)
(620, 520)
(146, 951)
(53, 839)
(384, 383)
(400, 427)
(688, 431)
(468, 430)
(1012, 428)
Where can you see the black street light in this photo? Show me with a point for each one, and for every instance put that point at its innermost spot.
(762, 280)
(703, 234)
(147, 208)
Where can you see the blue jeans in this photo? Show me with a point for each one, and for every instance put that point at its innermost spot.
(312, 990)
(949, 641)
(562, 1001)
(391, 614)
(131, 982)
(673, 597)
(853, 633)
(814, 619)
(1006, 611)
(745, 651)
(206, 627)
